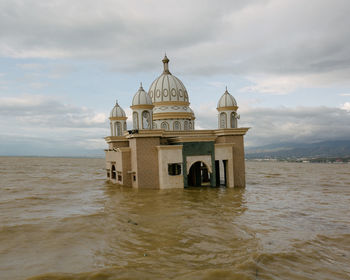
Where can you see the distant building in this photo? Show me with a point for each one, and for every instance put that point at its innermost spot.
(163, 150)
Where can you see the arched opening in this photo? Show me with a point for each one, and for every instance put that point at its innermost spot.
(135, 120)
(177, 125)
(114, 173)
(223, 119)
(186, 125)
(233, 120)
(198, 175)
(146, 121)
(164, 125)
(119, 129)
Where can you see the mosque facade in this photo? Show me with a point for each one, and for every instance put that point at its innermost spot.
(164, 150)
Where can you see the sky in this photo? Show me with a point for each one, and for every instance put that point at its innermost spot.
(64, 63)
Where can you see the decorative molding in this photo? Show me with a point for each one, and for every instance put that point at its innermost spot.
(182, 139)
(231, 131)
(118, 118)
(142, 106)
(230, 108)
(169, 147)
(111, 139)
(170, 103)
(173, 115)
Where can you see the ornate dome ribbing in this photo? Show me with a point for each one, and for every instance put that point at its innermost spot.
(168, 88)
(141, 98)
(117, 111)
(227, 100)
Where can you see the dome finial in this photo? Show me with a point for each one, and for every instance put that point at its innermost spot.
(116, 102)
(141, 88)
(166, 66)
(226, 90)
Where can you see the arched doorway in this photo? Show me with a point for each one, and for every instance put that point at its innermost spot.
(198, 175)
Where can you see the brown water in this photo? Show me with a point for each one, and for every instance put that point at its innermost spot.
(59, 219)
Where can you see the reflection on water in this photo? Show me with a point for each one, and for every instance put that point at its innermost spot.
(60, 219)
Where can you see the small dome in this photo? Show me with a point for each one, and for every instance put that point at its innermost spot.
(227, 100)
(141, 97)
(167, 87)
(117, 111)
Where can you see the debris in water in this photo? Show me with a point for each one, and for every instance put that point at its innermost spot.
(132, 222)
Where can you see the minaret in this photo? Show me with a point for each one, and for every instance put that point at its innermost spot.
(142, 110)
(117, 120)
(227, 108)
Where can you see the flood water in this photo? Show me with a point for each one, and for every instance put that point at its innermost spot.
(60, 219)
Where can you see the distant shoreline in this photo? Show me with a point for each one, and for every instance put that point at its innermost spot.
(345, 160)
(33, 156)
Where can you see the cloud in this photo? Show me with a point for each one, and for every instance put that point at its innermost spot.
(48, 112)
(54, 128)
(346, 106)
(284, 124)
(284, 84)
(31, 66)
(47, 126)
(289, 39)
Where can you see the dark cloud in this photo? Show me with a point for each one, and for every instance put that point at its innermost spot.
(38, 119)
(278, 125)
(41, 111)
(206, 37)
(39, 125)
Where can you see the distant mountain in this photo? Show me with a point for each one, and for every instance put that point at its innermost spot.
(326, 149)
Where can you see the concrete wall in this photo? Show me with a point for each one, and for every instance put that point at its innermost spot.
(144, 161)
(126, 167)
(225, 152)
(121, 161)
(118, 144)
(238, 157)
(167, 155)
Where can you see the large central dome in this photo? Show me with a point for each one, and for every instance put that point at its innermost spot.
(171, 105)
(168, 88)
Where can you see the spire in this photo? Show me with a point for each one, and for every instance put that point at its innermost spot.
(141, 88)
(166, 66)
(226, 90)
(116, 102)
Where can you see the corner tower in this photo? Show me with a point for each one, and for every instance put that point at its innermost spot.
(171, 103)
(142, 110)
(227, 108)
(117, 120)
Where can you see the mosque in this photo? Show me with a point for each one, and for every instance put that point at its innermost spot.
(164, 150)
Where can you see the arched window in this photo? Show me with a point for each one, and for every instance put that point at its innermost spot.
(186, 125)
(223, 120)
(164, 126)
(125, 126)
(177, 125)
(114, 173)
(154, 125)
(135, 120)
(190, 126)
(146, 121)
(233, 120)
(112, 134)
(119, 129)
